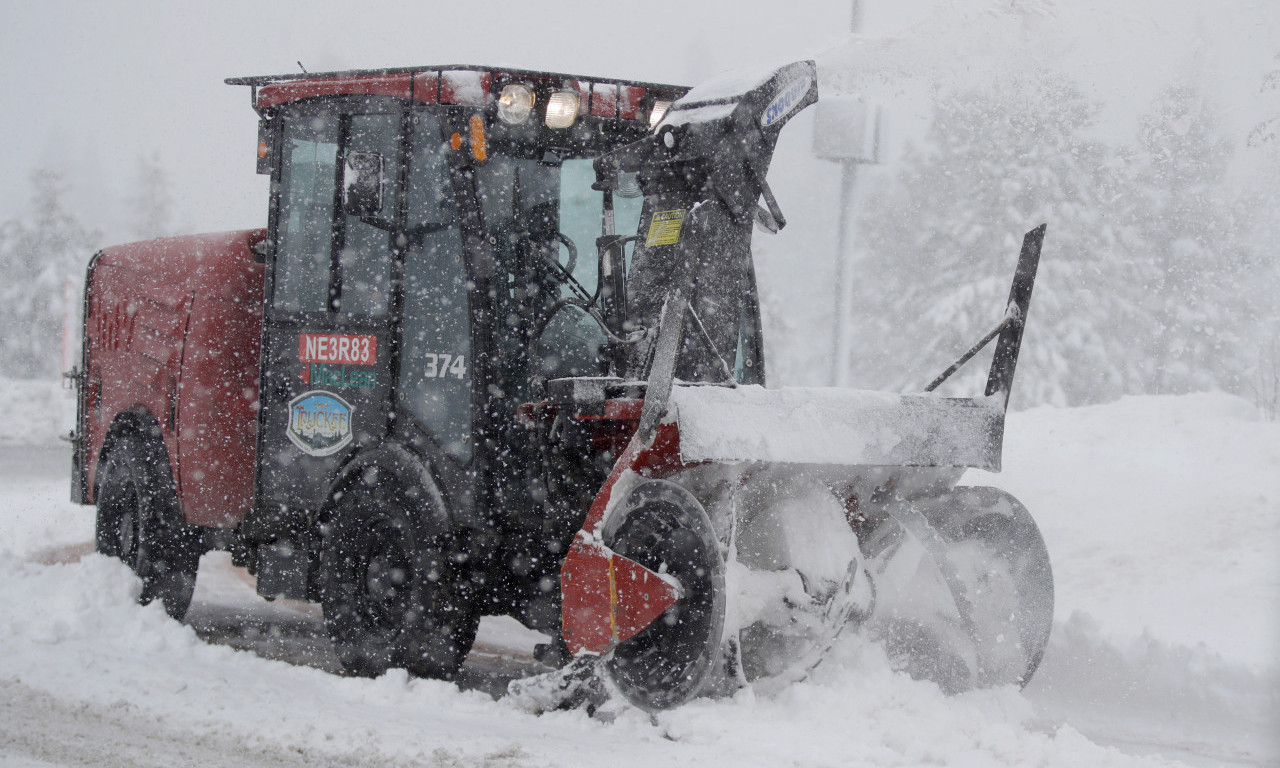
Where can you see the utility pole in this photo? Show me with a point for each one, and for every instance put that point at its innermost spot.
(846, 130)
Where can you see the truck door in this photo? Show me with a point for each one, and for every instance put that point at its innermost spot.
(434, 387)
(327, 354)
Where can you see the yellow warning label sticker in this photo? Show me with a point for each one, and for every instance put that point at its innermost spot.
(665, 228)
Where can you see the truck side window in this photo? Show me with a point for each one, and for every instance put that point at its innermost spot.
(305, 235)
(435, 368)
(364, 259)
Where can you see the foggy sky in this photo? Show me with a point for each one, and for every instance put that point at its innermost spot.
(88, 87)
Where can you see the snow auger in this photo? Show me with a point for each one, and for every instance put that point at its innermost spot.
(740, 530)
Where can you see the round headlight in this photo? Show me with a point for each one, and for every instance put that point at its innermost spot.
(515, 103)
(562, 109)
(659, 111)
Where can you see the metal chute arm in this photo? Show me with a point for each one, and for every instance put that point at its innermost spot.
(1005, 359)
(1010, 316)
(1010, 328)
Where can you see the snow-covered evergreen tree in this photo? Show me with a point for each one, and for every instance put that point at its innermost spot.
(1258, 206)
(151, 205)
(1267, 132)
(941, 243)
(1179, 204)
(42, 257)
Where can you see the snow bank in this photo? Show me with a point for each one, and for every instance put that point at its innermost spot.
(1145, 691)
(1162, 517)
(74, 632)
(35, 516)
(38, 412)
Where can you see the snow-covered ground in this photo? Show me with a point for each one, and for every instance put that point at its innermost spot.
(1162, 516)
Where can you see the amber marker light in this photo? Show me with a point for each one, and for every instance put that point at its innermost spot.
(455, 141)
(479, 146)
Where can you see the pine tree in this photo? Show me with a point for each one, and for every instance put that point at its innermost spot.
(941, 244)
(1178, 199)
(43, 257)
(1267, 132)
(151, 207)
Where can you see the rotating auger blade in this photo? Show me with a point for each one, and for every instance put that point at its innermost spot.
(663, 527)
(964, 589)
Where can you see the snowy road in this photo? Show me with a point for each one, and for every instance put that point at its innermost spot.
(1162, 516)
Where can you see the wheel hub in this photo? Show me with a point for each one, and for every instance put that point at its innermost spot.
(387, 580)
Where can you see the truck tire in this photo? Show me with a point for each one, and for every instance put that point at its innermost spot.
(139, 522)
(390, 594)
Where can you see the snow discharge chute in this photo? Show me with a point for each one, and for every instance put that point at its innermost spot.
(756, 525)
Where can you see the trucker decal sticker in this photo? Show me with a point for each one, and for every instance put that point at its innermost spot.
(319, 423)
(337, 348)
(665, 228)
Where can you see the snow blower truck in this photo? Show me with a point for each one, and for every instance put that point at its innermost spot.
(498, 352)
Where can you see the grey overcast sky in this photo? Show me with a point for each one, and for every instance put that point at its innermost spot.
(89, 87)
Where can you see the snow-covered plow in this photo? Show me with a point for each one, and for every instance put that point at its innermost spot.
(741, 530)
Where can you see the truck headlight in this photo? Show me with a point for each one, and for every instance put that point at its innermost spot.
(658, 112)
(515, 103)
(562, 109)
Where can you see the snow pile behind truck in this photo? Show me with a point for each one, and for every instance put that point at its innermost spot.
(46, 412)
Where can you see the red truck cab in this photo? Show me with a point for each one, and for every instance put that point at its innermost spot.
(333, 398)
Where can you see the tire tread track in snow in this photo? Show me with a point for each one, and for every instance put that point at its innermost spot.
(37, 729)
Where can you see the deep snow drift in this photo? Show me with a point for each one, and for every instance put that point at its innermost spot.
(1162, 516)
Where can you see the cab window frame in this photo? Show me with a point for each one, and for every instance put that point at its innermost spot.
(343, 108)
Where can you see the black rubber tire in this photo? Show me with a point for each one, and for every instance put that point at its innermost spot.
(390, 594)
(139, 522)
(664, 528)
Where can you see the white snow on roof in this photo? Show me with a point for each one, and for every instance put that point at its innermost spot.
(698, 114)
(728, 85)
(467, 85)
